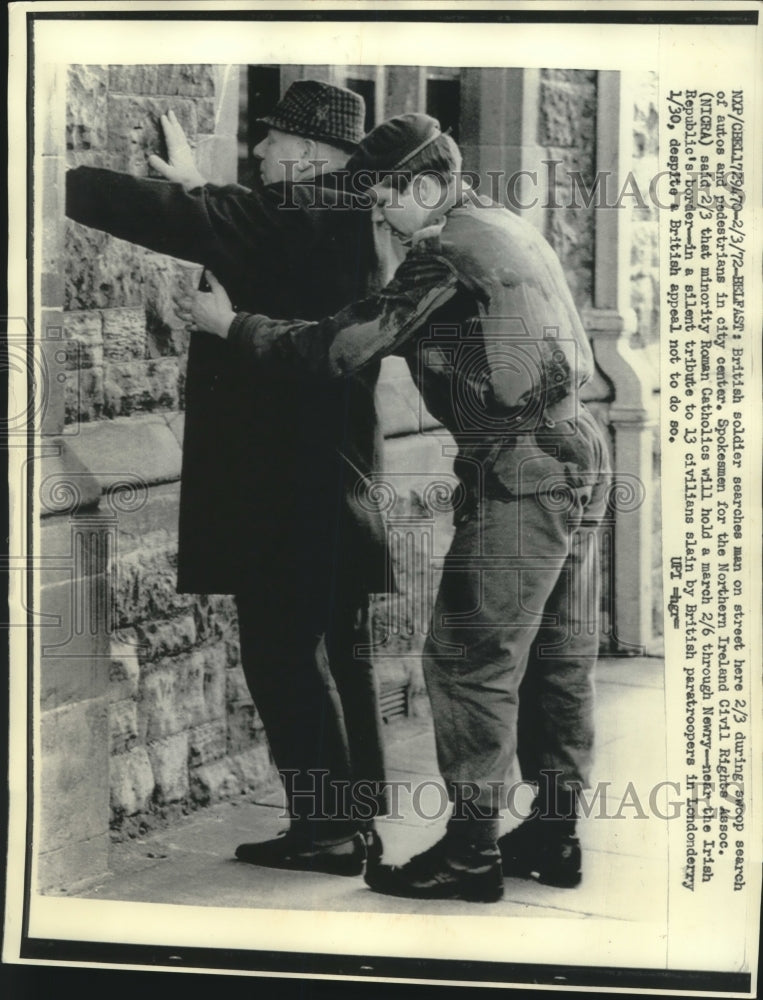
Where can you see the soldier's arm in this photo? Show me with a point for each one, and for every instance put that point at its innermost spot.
(358, 335)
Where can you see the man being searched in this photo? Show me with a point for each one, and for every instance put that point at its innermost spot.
(271, 463)
(482, 313)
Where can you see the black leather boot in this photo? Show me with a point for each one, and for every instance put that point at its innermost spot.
(545, 847)
(542, 850)
(443, 872)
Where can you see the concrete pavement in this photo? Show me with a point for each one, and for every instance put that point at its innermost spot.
(192, 863)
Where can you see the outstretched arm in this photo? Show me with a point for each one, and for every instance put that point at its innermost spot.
(341, 344)
(205, 223)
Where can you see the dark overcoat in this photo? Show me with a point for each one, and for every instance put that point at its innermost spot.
(273, 462)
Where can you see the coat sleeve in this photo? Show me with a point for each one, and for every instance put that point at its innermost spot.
(361, 333)
(207, 225)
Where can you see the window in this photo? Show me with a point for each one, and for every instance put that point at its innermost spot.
(260, 92)
(443, 97)
(367, 90)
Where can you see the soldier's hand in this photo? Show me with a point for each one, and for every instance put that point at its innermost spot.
(210, 311)
(181, 168)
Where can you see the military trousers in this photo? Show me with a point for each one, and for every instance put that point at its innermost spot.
(514, 637)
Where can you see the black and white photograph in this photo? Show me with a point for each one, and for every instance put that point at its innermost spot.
(384, 425)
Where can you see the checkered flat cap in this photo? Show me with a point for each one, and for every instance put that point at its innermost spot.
(320, 111)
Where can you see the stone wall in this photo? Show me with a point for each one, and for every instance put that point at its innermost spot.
(183, 729)
(645, 284)
(645, 255)
(157, 683)
(567, 131)
(127, 347)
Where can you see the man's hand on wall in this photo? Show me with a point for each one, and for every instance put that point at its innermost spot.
(209, 311)
(181, 168)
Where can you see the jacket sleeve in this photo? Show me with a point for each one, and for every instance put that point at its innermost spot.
(201, 225)
(358, 335)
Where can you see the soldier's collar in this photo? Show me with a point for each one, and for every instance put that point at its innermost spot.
(430, 232)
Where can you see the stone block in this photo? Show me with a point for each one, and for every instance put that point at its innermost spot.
(214, 681)
(205, 115)
(402, 90)
(134, 130)
(216, 617)
(236, 689)
(163, 277)
(565, 192)
(176, 424)
(126, 388)
(83, 331)
(74, 773)
(214, 781)
(172, 696)
(50, 389)
(140, 450)
(165, 340)
(133, 386)
(124, 666)
(73, 864)
(51, 177)
(52, 287)
(169, 762)
(162, 639)
(206, 743)
(68, 680)
(567, 114)
(645, 303)
(90, 158)
(53, 122)
(145, 584)
(217, 158)
(163, 374)
(241, 727)
(570, 233)
(73, 619)
(60, 537)
(579, 76)
(84, 395)
(100, 272)
(65, 486)
(132, 783)
(86, 105)
(123, 725)
(158, 514)
(256, 769)
(124, 334)
(167, 79)
(645, 247)
(251, 770)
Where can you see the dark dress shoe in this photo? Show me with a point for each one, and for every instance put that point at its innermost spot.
(436, 874)
(543, 850)
(296, 854)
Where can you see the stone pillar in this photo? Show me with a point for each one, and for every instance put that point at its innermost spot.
(499, 133)
(610, 324)
(73, 619)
